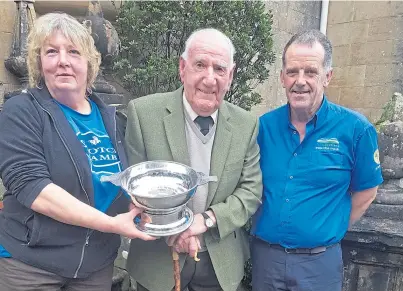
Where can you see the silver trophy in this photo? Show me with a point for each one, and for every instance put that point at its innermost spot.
(162, 188)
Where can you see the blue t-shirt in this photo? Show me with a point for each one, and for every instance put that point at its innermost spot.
(102, 156)
(307, 186)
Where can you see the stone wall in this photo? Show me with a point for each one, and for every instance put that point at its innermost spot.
(368, 53)
(7, 80)
(289, 17)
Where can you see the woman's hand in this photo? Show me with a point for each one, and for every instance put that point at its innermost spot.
(58, 204)
(124, 225)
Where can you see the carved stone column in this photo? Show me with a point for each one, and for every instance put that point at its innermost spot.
(16, 62)
(373, 248)
(107, 42)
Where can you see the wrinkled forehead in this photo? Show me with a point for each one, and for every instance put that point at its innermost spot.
(205, 45)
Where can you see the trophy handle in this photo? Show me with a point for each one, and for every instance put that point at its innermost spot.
(204, 179)
(114, 179)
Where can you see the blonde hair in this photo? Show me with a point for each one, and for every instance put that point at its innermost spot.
(73, 30)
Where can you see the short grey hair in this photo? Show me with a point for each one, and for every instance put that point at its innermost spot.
(213, 31)
(310, 37)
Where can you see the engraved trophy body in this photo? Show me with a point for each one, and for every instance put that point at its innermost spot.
(162, 188)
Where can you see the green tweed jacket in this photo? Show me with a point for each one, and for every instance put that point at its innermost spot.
(156, 131)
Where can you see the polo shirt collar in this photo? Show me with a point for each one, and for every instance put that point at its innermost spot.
(317, 118)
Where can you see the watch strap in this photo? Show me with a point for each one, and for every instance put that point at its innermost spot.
(205, 215)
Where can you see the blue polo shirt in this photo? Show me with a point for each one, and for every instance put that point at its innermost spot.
(307, 186)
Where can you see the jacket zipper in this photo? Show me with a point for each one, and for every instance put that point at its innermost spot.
(117, 151)
(87, 237)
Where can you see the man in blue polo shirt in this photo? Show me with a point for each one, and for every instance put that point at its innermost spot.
(321, 171)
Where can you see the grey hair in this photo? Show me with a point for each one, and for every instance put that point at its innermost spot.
(310, 37)
(215, 32)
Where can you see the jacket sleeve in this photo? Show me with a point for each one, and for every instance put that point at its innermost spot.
(135, 149)
(235, 211)
(23, 166)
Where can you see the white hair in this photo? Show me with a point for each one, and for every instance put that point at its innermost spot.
(213, 32)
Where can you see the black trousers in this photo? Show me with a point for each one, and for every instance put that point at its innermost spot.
(196, 276)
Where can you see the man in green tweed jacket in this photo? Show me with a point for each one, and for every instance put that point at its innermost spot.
(194, 126)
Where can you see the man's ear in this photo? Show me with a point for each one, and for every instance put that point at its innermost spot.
(182, 64)
(282, 78)
(329, 76)
(231, 75)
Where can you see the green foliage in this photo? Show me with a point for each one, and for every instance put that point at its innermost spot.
(153, 35)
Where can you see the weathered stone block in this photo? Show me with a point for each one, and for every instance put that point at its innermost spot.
(311, 8)
(7, 19)
(281, 14)
(340, 12)
(333, 94)
(281, 97)
(381, 74)
(341, 55)
(276, 10)
(349, 76)
(385, 28)
(5, 44)
(373, 9)
(378, 96)
(348, 33)
(353, 97)
(267, 90)
(297, 21)
(397, 8)
(376, 52)
(280, 39)
(390, 127)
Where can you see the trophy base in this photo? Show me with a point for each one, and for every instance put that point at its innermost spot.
(156, 228)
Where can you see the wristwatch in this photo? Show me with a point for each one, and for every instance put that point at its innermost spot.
(207, 220)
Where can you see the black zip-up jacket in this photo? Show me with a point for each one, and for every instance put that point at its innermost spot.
(38, 147)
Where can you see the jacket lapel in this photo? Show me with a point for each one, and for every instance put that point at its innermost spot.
(221, 146)
(174, 124)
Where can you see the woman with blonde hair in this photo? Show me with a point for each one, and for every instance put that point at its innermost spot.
(60, 226)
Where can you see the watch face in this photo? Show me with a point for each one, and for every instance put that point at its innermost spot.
(209, 222)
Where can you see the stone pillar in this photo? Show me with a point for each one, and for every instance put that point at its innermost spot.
(107, 42)
(373, 247)
(16, 62)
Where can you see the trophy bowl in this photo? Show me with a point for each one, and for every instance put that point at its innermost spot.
(162, 188)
